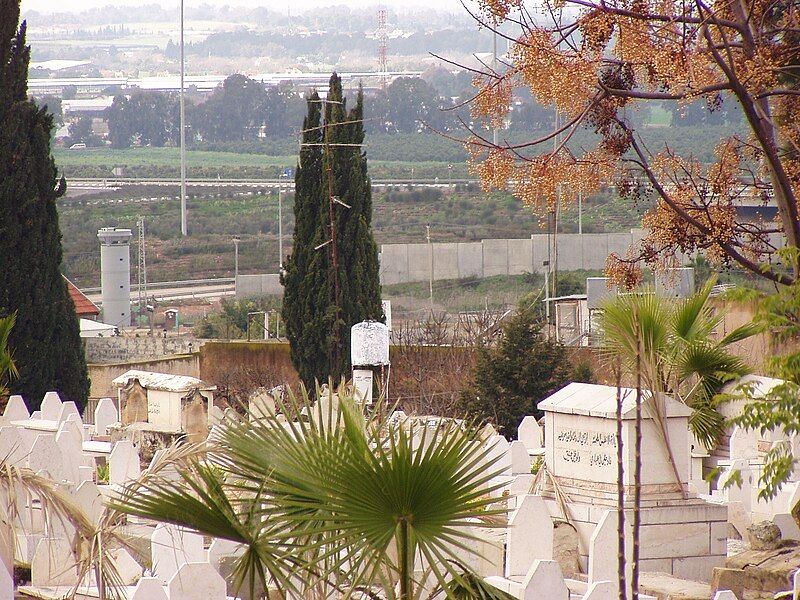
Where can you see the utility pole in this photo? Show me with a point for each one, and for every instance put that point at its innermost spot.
(580, 211)
(280, 230)
(430, 252)
(184, 220)
(235, 260)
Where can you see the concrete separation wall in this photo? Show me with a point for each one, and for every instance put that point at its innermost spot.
(267, 284)
(404, 263)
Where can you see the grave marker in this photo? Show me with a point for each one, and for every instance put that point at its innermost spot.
(172, 547)
(105, 415)
(197, 581)
(16, 409)
(123, 463)
(50, 409)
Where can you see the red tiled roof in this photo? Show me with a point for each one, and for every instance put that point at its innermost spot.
(83, 306)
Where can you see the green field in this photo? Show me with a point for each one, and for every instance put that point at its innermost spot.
(165, 162)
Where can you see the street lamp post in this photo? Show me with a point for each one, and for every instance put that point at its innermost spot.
(235, 260)
(184, 220)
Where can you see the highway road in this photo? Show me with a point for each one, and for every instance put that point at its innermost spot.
(279, 183)
(177, 290)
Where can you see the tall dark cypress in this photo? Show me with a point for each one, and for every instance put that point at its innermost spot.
(317, 311)
(46, 339)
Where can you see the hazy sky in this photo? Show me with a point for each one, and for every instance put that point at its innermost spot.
(299, 5)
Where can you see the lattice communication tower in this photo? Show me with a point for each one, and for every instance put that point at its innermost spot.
(382, 44)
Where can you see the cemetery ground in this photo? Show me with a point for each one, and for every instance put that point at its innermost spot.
(543, 535)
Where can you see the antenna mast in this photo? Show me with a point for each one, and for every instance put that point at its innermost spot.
(382, 44)
(142, 268)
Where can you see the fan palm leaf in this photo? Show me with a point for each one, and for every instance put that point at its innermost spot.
(679, 355)
(332, 498)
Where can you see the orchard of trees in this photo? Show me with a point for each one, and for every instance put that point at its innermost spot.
(241, 109)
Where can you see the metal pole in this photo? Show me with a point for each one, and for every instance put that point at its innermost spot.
(430, 250)
(280, 230)
(235, 259)
(184, 220)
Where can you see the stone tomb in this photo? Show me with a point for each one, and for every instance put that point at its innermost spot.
(171, 402)
(681, 534)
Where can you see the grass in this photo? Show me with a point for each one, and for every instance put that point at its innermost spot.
(166, 157)
(165, 162)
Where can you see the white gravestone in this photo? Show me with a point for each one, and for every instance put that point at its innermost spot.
(529, 433)
(544, 580)
(604, 550)
(602, 590)
(520, 459)
(69, 440)
(220, 548)
(89, 498)
(197, 581)
(530, 536)
(12, 449)
(50, 409)
(16, 409)
(172, 547)
(725, 595)
(105, 415)
(53, 563)
(68, 408)
(498, 455)
(45, 456)
(149, 588)
(123, 463)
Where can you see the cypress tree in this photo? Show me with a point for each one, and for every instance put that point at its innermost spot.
(321, 305)
(45, 341)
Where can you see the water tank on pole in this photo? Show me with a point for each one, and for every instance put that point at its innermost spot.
(369, 348)
(115, 275)
(369, 344)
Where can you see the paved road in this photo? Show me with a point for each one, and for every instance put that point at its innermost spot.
(178, 292)
(282, 183)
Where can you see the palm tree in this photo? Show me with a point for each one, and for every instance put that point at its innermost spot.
(8, 370)
(668, 349)
(334, 501)
(678, 355)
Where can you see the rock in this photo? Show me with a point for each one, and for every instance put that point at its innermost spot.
(764, 535)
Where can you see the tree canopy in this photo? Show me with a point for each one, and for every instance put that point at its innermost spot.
(597, 62)
(45, 340)
(510, 380)
(331, 278)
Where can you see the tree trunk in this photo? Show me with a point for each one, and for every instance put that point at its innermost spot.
(637, 477)
(623, 587)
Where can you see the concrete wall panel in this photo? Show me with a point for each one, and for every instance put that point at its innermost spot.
(470, 259)
(394, 263)
(445, 261)
(495, 257)
(520, 257)
(419, 262)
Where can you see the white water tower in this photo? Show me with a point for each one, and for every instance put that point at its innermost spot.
(115, 275)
